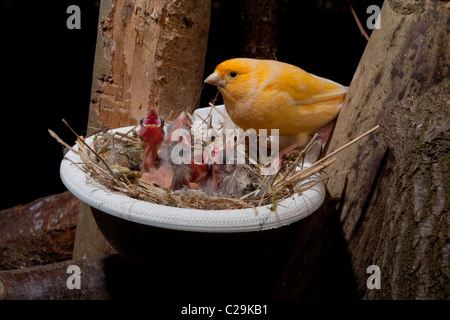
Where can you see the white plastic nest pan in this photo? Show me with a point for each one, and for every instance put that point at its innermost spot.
(261, 218)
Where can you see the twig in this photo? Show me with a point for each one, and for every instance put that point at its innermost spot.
(348, 144)
(95, 153)
(360, 26)
(100, 168)
(54, 135)
(326, 161)
(303, 153)
(126, 135)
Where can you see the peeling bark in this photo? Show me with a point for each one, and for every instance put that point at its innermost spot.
(149, 54)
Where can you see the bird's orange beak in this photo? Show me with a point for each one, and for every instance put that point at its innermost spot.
(215, 79)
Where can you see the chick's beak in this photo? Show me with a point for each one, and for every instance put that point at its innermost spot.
(181, 121)
(215, 79)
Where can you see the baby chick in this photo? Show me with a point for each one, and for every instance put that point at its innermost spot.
(151, 135)
(169, 174)
(228, 176)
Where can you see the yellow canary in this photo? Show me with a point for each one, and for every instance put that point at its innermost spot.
(268, 94)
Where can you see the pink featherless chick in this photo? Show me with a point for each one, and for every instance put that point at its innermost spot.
(200, 173)
(171, 173)
(228, 178)
(151, 136)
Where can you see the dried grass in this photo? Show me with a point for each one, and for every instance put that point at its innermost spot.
(113, 161)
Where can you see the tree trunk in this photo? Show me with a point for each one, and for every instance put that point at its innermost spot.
(40, 232)
(150, 53)
(394, 188)
(260, 29)
(387, 203)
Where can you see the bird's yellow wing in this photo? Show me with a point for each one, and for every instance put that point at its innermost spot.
(303, 87)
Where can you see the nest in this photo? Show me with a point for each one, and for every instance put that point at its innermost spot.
(113, 159)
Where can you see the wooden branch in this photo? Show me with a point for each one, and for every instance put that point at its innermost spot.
(358, 23)
(40, 232)
(49, 282)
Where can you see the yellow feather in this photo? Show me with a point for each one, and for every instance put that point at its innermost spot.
(267, 94)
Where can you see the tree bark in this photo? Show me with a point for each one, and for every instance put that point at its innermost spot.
(40, 232)
(394, 188)
(150, 53)
(49, 282)
(260, 29)
(387, 203)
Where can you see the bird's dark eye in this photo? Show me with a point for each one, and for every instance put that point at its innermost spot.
(233, 74)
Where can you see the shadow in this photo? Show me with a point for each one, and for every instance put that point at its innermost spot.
(305, 260)
(129, 282)
(317, 264)
(157, 263)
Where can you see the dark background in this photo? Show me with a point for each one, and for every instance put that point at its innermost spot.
(47, 72)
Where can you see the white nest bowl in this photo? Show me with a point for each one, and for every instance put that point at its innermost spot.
(126, 222)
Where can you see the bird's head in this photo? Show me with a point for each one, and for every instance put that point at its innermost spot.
(178, 128)
(152, 128)
(178, 137)
(235, 76)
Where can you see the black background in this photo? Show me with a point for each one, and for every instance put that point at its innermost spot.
(47, 73)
